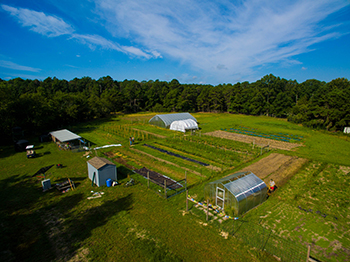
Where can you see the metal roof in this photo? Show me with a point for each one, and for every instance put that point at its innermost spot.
(64, 135)
(167, 119)
(245, 186)
(98, 162)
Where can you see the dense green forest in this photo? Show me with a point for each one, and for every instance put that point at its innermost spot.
(39, 106)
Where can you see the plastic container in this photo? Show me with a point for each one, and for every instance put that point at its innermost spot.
(109, 182)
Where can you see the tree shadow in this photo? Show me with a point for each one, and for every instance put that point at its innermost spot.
(23, 236)
(38, 226)
(80, 227)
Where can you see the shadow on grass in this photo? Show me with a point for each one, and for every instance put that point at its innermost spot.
(80, 227)
(22, 234)
(47, 226)
(67, 235)
(123, 172)
(90, 126)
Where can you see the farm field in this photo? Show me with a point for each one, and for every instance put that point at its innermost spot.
(136, 223)
(259, 141)
(281, 168)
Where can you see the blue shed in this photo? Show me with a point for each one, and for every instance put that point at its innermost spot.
(100, 169)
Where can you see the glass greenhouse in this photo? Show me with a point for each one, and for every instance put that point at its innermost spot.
(236, 194)
(166, 120)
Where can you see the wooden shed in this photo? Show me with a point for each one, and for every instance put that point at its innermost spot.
(100, 169)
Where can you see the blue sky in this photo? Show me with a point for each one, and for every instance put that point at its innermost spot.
(194, 41)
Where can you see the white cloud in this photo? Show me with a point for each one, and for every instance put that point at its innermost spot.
(39, 22)
(96, 40)
(216, 35)
(52, 26)
(11, 65)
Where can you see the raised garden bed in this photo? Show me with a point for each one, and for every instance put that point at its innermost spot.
(158, 178)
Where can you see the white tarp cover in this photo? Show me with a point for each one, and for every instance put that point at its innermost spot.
(183, 125)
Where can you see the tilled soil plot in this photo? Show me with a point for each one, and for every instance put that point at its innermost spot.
(258, 141)
(278, 167)
(158, 178)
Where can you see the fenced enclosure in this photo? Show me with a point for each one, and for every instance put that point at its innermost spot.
(266, 240)
(162, 185)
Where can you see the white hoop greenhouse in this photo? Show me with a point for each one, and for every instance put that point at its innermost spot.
(166, 119)
(183, 125)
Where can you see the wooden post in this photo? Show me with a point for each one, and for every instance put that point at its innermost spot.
(165, 189)
(308, 253)
(186, 200)
(186, 180)
(70, 184)
(148, 179)
(207, 209)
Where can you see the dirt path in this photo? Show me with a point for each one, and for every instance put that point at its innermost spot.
(279, 167)
(259, 141)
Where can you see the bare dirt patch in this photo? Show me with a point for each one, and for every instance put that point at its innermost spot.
(345, 169)
(258, 141)
(279, 167)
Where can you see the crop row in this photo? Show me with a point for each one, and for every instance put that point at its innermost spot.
(278, 136)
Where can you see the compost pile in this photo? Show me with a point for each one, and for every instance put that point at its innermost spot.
(158, 178)
(177, 155)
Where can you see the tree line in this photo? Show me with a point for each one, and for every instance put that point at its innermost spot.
(38, 106)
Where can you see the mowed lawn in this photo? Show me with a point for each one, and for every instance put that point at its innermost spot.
(125, 224)
(136, 224)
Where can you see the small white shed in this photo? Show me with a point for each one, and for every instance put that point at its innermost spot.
(183, 125)
(100, 169)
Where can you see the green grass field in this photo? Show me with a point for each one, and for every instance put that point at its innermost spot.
(136, 224)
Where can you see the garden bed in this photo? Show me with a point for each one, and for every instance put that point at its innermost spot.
(279, 167)
(258, 141)
(158, 178)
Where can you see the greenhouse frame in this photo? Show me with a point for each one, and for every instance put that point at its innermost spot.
(166, 119)
(236, 194)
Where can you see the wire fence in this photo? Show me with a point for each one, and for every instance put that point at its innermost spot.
(163, 186)
(264, 239)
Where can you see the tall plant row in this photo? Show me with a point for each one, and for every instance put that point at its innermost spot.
(128, 131)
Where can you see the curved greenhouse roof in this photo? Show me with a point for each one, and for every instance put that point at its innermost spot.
(183, 125)
(237, 193)
(166, 120)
